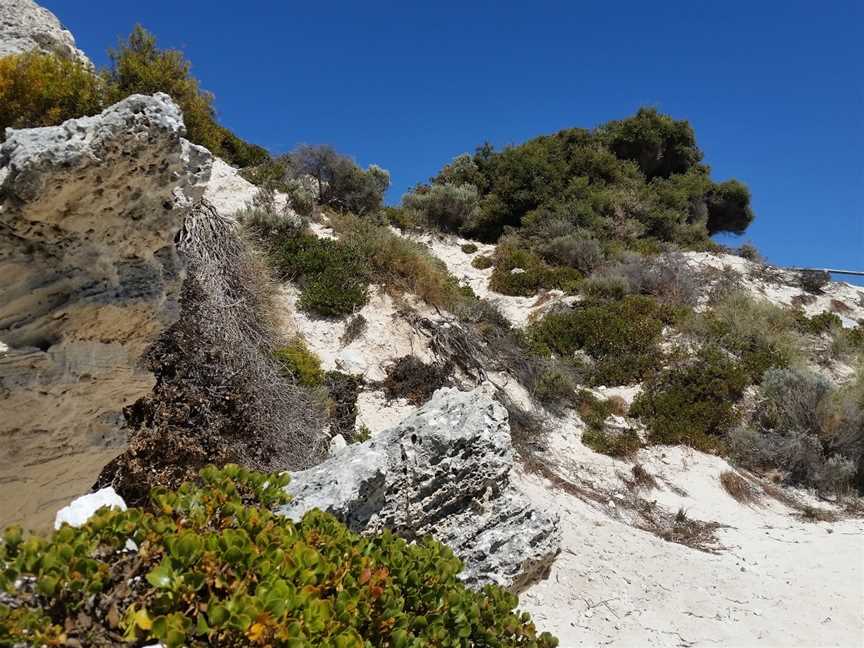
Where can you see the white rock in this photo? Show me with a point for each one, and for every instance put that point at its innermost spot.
(337, 444)
(443, 471)
(25, 26)
(82, 508)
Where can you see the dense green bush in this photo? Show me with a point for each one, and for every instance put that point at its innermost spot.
(332, 275)
(520, 272)
(693, 402)
(622, 337)
(399, 264)
(138, 66)
(482, 262)
(448, 207)
(213, 565)
(761, 334)
(303, 365)
(39, 89)
(340, 183)
(628, 180)
(553, 387)
(574, 251)
(660, 145)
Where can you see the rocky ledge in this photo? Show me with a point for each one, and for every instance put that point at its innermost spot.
(443, 471)
(88, 213)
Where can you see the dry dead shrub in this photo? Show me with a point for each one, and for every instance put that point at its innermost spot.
(220, 395)
(355, 327)
(678, 527)
(839, 307)
(642, 478)
(738, 487)
(410, 378)
(617, 405)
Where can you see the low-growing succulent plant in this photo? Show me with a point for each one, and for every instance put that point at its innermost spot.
(212, 564)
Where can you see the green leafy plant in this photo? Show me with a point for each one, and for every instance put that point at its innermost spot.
(693, 402)
(211, 564)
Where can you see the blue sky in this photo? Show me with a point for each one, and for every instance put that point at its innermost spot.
(775, 90)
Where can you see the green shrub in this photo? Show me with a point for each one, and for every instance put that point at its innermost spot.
(761, 334)
(583, 254)
(636, 181)
(622, 337)
(594, 411)
(806, 428)
(553, 387)
(340, 183)
(660, 145)
(693, 402)
(447, 207)
(823, 322)
(522, 273)
(333, 293)
(729, 208)
(619, 444)
(605, 287)
(212, 565)
(401, 218)
(303, 365)
(332, 275)
(39, 89)
(813, 281)
(482, 262)
(138, 66)
(399, 264)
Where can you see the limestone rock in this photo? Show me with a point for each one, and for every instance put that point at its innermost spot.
(82, 508)
(25, 26)
(443, 471)
(88, 214)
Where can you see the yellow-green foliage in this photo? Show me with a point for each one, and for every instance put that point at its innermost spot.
(401, 265)
(214, 566)
(761, 334)
(693, 402)
(622, 337)
(482, 262)
(138, 66)
(301, 363)
(39, 89)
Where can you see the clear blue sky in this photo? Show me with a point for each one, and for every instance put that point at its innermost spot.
(775, 90)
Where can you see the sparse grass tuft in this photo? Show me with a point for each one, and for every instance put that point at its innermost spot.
(738, 487)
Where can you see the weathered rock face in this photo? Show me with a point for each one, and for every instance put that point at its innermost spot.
(443, 471)
(88, 213)
(26, 26)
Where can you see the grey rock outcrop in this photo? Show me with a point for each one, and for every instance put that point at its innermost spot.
(88, 214)
(443, 471)
(25, 26)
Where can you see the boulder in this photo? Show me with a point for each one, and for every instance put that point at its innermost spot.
(88, 214)
(25, 26)
(443, 471)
